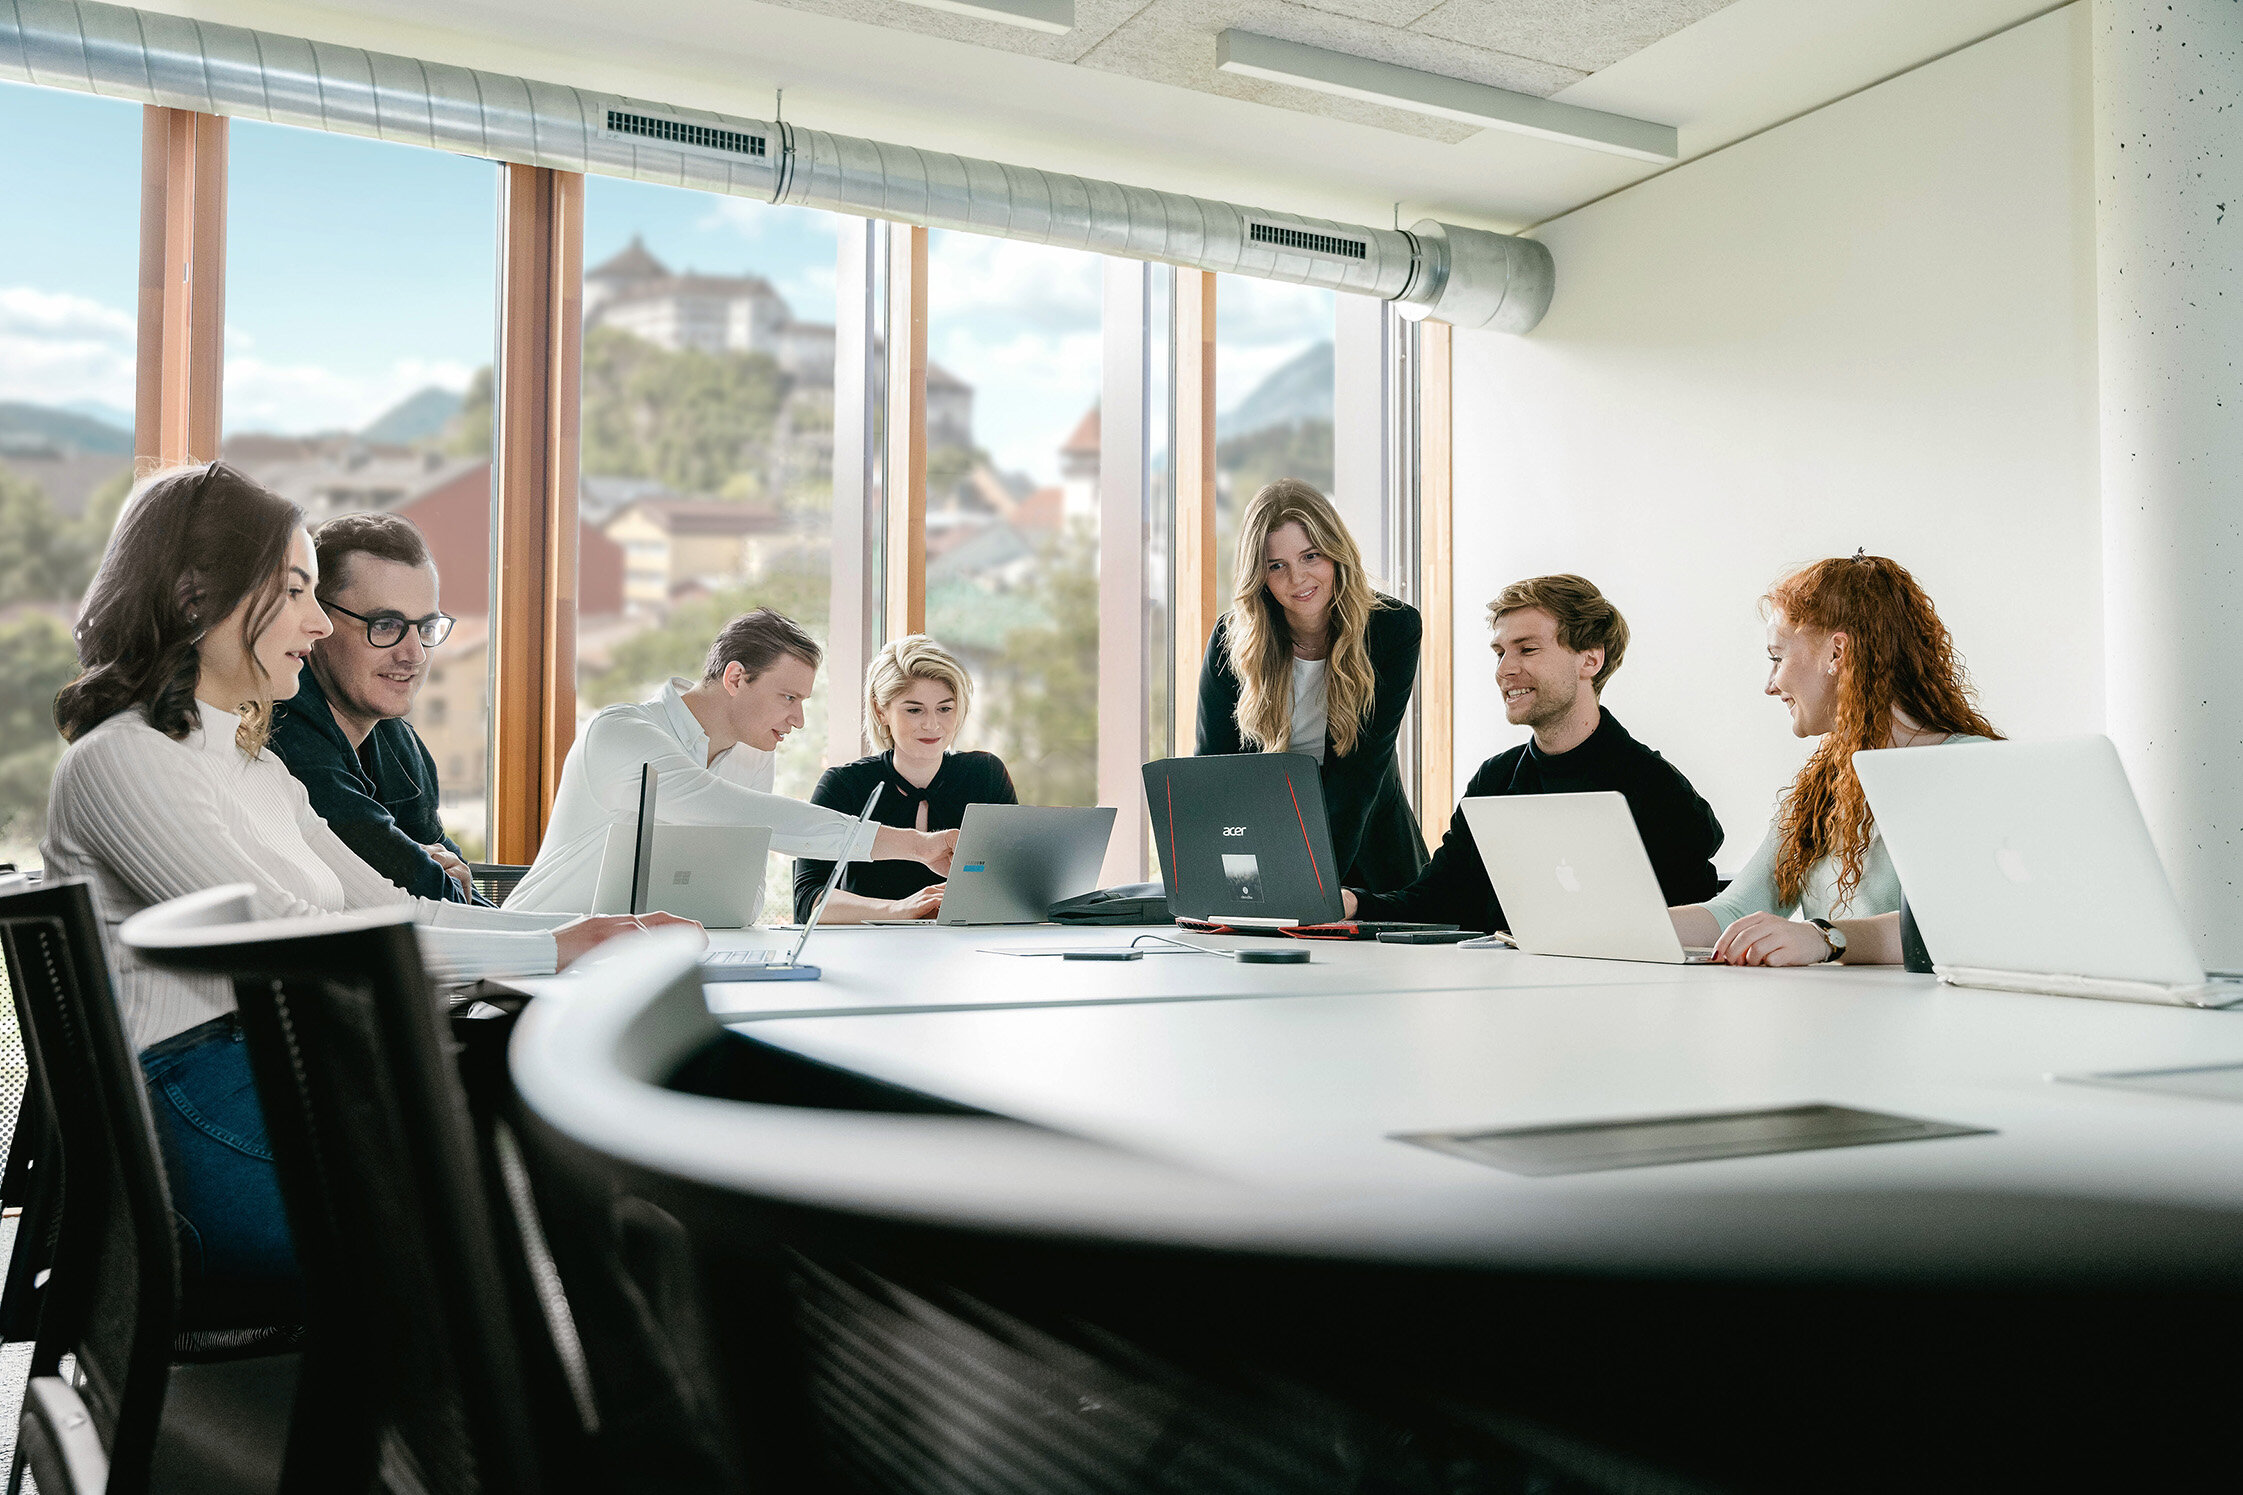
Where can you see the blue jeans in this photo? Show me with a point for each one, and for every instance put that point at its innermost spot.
(237, 1262)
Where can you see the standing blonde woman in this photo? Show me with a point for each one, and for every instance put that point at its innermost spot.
(1310, 659)
(916, 695)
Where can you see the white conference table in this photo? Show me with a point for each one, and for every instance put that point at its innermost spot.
(1292, 1079)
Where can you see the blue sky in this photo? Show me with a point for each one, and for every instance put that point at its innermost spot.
(359, 272)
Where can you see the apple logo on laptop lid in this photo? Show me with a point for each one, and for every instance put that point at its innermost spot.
(1567, 878)
(2012, 863)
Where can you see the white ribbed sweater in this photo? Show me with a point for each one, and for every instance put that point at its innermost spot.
(144, 819)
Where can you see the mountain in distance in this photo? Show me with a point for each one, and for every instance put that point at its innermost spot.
(107, 414)
(418, 417)
(1298, 390)
(26, 425)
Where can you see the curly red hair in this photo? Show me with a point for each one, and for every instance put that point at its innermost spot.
(1898, 654)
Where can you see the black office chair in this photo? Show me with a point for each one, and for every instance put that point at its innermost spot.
(151, 1406)
(495, 880)
(414, 1373)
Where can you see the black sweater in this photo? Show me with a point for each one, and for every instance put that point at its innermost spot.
(964, 779)
(1375, 838)
(380, 797)
(1679, 829)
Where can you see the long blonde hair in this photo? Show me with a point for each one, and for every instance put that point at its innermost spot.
(1260, 642)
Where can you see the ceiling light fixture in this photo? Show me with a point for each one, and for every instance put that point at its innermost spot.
(1253, 56)
(1056, 17)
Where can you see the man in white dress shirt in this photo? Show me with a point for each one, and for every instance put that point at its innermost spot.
(715, 745)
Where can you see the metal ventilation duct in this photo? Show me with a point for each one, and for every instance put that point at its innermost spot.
(1464, 276)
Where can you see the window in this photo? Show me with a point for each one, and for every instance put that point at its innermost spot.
(707, 442)
(69, 272)
(1013, 372)
(1273, 399)
(360, 299)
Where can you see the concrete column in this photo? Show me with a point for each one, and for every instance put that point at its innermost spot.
(2169, 243)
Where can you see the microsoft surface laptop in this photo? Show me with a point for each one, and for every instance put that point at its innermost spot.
(1574, 878)
(758, 965)
(712, 874)
(2029, 868)
(1015, 861)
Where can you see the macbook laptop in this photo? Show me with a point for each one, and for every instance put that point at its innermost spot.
(1015, 861)
(1244, 844)
(758, 965)
(2029, 868)
(712, 874)
(1574, 878)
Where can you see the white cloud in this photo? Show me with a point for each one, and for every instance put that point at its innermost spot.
(1251, 313)
(974, 278)
(743, 216)
(57, 348)
(298, 398)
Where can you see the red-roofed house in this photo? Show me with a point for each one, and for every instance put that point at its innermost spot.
(456, 517)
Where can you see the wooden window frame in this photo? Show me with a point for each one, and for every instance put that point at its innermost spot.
(905, 486)
(1436, 525)
(179, 364)
(536, 411)
(1192, 460)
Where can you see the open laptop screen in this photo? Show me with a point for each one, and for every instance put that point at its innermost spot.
(1244, 837)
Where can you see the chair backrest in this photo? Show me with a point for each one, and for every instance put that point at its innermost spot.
(495, 880)
(111, 1299)
(413, 1373)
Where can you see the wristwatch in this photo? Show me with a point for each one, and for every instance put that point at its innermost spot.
(1834, 936)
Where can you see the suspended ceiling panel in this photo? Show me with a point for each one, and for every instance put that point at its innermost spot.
(1132, 94)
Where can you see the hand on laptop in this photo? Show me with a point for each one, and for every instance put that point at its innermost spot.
(1770, 940)
(1347, 903)
(924, 904)
(579, 938)
(896, 844)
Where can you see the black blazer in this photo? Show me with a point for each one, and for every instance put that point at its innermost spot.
(964, 779)
(1375, 838)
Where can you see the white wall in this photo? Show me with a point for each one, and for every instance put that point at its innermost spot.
(1872, 326)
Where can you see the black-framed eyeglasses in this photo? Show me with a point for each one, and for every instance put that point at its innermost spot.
(387, 630)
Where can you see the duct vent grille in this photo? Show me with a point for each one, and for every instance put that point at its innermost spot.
(1294, 238)
(675, 133)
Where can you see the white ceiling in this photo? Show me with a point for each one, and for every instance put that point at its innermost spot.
(1132, 93)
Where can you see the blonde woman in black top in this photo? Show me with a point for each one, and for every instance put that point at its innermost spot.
(1310, 659)
(916, 695)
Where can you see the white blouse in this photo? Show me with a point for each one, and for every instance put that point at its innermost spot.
(146, 818)
(1309, 714)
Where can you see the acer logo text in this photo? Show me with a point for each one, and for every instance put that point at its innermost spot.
(1234, 830)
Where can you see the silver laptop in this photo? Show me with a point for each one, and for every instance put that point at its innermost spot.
(759, 965)
(709, 873)
(1574, 877)
(1015, 861)
(2029, 867)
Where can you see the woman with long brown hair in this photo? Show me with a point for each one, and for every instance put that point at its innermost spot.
(197, 622)
(1311, 659)
(1860, 657)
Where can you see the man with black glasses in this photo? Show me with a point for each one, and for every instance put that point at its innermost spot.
(344, 734)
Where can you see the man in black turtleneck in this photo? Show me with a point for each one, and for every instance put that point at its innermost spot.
(1557, 640)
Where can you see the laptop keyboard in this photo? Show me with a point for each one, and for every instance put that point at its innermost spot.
(743, 958)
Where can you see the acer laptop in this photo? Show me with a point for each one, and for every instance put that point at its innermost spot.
(1574, 879)
(2029, 868)
(1244, 844)
(712, 874)
(1015, 861)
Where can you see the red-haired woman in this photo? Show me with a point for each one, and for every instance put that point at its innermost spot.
(1858, 654)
